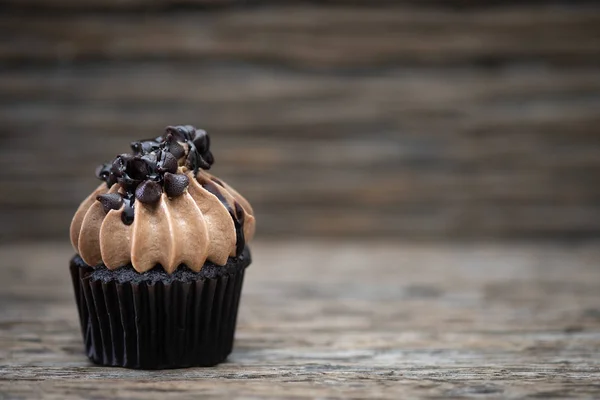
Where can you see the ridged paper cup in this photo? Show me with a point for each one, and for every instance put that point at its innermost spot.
(155, 320)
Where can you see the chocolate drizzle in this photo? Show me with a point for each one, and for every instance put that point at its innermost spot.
(238, 221)
(237, 215)
(128, 211)
(217, 181)
(151, 170)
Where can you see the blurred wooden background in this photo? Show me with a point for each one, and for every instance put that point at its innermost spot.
(437, 119)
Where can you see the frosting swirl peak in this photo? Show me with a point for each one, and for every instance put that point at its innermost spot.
(158, 205)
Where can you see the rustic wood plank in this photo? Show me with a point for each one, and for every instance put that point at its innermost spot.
(313, 36)
(161, 5)
(408, 151)
(315, 111)
(222, 84)
(331, 320)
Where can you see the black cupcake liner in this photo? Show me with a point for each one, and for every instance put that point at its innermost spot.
(78, 270)
(158, 324)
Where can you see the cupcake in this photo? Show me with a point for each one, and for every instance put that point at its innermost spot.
(162, 247)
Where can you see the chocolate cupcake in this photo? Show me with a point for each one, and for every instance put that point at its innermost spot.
(161, 253)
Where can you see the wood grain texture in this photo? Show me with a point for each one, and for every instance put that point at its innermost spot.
(334, 119)
(409, 152)
(313, 36)
(167, 5)
(331, 320)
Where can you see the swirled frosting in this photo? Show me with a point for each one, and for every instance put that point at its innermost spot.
(159, 206)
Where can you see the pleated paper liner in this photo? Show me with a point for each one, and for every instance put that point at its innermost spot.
(78, 269)
(159, 325)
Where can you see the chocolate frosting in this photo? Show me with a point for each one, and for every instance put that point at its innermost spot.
(158, 206)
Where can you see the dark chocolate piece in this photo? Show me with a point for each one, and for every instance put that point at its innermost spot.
(148, 192)
(137, 169)
(182, 133)
(110, 201)
(201, 141)
(174, 147)
(146, 146)
(210, 159)
(167, 162)
(175, 184)
(197, 159)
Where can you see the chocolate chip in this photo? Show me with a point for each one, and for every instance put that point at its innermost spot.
(189, 130)
(195, 161)
(128, 183)
(145, 146)
(148, 192)
(181, 132)
(151, 161)
(210, 160)
(177, 150)
(174, 147)
(137, 168)
(111, 180)
(191, 161)
(171, 130)
(201, 140)
(167, 162)
(202, 163)
(119, 164)
(175, 184)
(110, 201)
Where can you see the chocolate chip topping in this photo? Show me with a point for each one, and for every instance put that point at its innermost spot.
(152, 167)
(138, 169)
(238, 221)
(182, 133)
(175, 184)
(167, 162)
(148, 192)
(104, 173)
(174, 147)
(198, 141)
(239, 212)
(110, 201)
(146, 146)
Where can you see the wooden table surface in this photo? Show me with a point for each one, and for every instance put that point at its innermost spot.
(340, 319)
